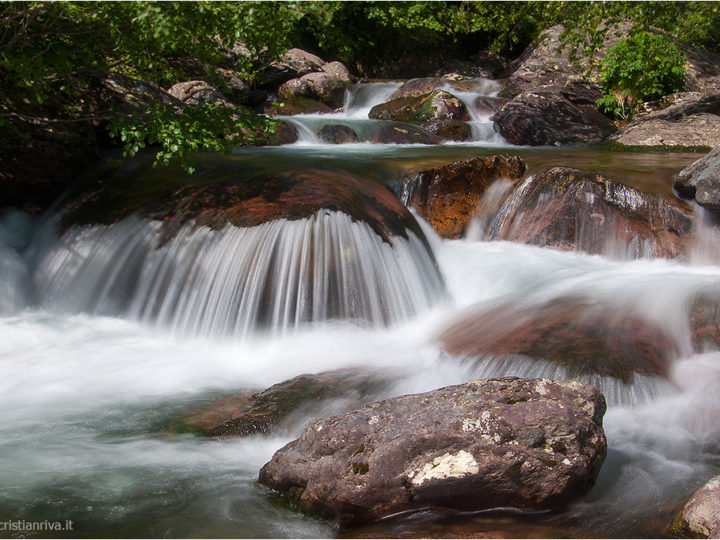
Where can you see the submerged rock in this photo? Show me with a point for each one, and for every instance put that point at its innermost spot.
(449, 130)
(700, 517)
(571, 209)
(704, 318)
(447, 196)
(337, 134)
(509, 442)
(304, 395)
(701, 181)
(435, 105)
(543, 118)
(403, 134)
(582, 338)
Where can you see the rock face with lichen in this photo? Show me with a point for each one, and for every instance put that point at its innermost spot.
(700, 517)
(508, 442)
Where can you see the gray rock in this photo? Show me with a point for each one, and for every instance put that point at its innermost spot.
(509, 442)
(327, 86)
(700, 517)
(337, 134)
(293, 64)
(543, 118)
(195, 92)
(701, 181)
(690, 121)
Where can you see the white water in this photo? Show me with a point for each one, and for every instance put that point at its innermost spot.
(86, 398)
(361, 98)
(275, 276)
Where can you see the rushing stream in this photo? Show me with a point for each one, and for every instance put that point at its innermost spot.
(109, 336)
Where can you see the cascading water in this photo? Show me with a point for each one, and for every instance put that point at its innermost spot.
(93, 376)
(274, 276)
(362, 97)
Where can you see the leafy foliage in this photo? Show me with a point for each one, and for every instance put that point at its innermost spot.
(640, 68)
(50, 54)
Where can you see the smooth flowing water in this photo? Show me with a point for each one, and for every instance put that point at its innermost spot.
(109, 335)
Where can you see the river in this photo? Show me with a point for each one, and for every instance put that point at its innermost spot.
(90, 386)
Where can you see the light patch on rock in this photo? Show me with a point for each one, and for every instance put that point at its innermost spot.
(541, 387)
(446, 466)
(373, 420)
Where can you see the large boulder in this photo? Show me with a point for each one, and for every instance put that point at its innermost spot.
(222, 192)
(327, 85)
(584, 339)
(693, 120)
(546, 66)
(263, 412)
(700, 517)
(449, 130)
(571, 209)
(509, 442)
(420, 109)
(447, 196)
(297, 105)
(291, 65)
(543, 118)
(196, 92)
(700, 181)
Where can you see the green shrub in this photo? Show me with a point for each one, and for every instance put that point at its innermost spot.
(640, 68)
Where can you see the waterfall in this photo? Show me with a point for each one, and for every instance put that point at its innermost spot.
(275, 276)
(362, 97)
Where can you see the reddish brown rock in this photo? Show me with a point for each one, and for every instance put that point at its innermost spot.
(263, 412)
(584, 338)
(571, 209)
(222, 192)
(447, 196)
(509, 442)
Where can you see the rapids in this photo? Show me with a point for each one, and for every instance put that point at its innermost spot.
(109, 335)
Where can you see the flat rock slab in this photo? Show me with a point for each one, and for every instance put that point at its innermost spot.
(507, 442)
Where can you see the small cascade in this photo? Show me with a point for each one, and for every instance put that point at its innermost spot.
(362, 97)
(276, 276)
(705, 248)
(15, 236)
(487, 210)
(571, 210)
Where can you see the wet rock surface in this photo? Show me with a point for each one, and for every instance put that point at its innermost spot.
(420, 109)
(403, 134)
(584, 339)
(423, 86)
(337, 134)
(222, 191)
(509, 442)
(543, 118)
(298, 105)
(704, 317)
(447, 196)
(700, 181)
(571, 209)
(449, 130)
(700, 517)
(263, 412)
